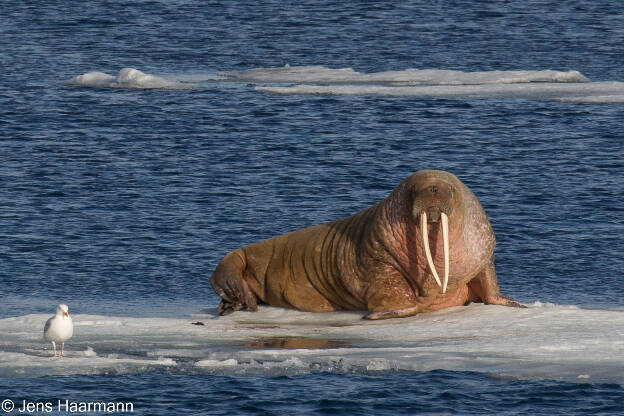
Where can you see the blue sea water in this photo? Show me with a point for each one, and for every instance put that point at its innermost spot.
(121, 201)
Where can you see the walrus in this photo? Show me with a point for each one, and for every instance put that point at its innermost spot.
(429, 245)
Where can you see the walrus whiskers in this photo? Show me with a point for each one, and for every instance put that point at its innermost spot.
(425, 236)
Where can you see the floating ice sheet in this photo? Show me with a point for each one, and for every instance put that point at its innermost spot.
(569, 86)
(543, 341)
(592, 92)
(407, 77)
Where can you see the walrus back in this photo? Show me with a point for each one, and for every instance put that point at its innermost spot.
(315, 269)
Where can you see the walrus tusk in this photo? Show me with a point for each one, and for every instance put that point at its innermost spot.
(446, 250)
(425, 236)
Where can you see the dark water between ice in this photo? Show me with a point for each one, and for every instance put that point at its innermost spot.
(122, 201)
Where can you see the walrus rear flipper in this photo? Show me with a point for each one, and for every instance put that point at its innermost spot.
(228, 282)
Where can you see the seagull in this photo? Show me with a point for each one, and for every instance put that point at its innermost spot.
(59, 328)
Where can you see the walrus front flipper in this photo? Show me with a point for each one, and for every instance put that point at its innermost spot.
(384, 304)
(229, 283)
(484, 288)
(504, 301)
(401, 313)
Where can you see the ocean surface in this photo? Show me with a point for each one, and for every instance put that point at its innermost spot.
(142, 141)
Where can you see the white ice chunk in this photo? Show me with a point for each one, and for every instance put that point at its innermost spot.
(216, 363)
(89, 352)
(127, 78)
(133, 78)
(92, 79)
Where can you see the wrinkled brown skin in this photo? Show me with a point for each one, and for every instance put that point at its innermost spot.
(374, 260)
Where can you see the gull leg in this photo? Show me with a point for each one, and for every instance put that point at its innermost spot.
(63, 349)
(54, 345)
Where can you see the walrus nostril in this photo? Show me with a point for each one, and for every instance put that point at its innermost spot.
(433, 189)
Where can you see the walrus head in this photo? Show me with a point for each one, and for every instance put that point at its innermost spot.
(434, 198)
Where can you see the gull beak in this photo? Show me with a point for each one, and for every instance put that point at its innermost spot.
(66, 314)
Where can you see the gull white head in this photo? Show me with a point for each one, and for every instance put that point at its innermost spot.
(62, 309)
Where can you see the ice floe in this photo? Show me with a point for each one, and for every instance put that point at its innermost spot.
(542, 342)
